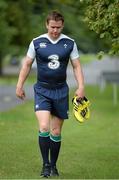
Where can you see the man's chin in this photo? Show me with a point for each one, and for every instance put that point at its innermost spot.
(56, 36)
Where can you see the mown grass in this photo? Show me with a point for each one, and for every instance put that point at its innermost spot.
(87, 58)
(12, 79)
(89, 150)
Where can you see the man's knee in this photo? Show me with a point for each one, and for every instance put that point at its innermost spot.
(44, 129)
(56, 131)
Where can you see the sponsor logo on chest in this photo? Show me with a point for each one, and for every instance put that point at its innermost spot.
(54, 61)
(43, 45)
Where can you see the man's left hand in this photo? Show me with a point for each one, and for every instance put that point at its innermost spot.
(80, 92)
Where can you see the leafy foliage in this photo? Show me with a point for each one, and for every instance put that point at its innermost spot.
(102, 17)
(16, 27)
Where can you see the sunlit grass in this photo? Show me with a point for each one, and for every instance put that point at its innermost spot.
(87, 58)
(12, 79)
(89, 150)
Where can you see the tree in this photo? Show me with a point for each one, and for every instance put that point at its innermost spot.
(102, 17)
(88, 41)
(5, 32)
(15, 27)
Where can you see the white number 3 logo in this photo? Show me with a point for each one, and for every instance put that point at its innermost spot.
(54, 61)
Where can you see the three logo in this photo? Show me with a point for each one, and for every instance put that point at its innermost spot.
(54, 58)
(54, 61)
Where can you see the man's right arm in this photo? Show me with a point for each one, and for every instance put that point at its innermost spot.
(24, 72)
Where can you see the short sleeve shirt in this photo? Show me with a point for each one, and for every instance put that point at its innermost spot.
(52, 57)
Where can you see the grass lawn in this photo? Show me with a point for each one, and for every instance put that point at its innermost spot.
(89, 150)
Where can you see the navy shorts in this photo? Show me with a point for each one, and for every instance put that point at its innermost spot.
(55, 100)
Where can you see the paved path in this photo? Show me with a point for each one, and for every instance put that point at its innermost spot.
(8, 98)
(91, 72)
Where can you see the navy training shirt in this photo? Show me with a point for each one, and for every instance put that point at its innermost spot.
(52, 57)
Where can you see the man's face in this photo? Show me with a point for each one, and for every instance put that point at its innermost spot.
(54, 28)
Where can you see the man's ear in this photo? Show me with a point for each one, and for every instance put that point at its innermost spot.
(63, 26)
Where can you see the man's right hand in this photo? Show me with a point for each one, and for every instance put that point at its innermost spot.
(20, 93)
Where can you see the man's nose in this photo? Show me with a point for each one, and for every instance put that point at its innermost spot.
(55, 29)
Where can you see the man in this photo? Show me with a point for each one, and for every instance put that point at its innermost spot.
(52, 52)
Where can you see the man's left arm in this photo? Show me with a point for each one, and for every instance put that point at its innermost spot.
(78, 73)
